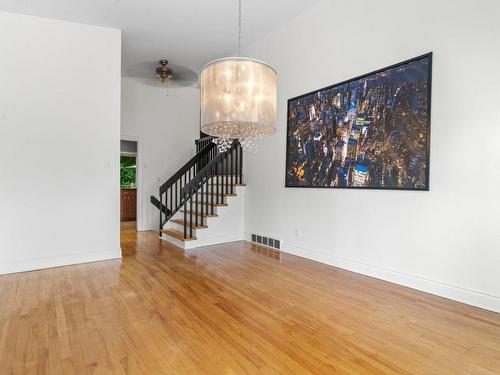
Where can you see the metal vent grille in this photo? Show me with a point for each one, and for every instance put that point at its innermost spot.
(266, 241)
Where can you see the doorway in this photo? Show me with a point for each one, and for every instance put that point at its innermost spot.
(128, 185)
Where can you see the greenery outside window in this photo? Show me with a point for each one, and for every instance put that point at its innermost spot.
(127, 172)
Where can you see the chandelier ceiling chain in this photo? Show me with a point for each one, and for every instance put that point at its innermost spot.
(238, 99)
(239, 28)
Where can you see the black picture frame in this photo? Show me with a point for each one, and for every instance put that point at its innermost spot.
(428, 56)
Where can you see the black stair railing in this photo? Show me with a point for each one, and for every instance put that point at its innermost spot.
(200, 184)
(209, 186)
(170, 193)
(158, 205)
(202, 142)
(200, 145)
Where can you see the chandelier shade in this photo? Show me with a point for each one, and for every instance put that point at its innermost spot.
(238, 98)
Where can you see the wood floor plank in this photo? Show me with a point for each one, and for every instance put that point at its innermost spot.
(232, 309)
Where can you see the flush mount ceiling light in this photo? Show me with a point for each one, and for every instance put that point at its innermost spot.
(238, 99)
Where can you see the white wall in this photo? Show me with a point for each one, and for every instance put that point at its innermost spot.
(59, 98)
(166, 127)
(446, 241)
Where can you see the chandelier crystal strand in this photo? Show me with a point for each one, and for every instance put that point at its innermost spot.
(238, 99)
(223, 144)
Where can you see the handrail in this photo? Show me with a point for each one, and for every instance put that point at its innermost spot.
(195, 159)
(201, 174)
(158, 205)
(209, 138)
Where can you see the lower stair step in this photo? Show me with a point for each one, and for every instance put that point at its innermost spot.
(178, 235)
(193, 225)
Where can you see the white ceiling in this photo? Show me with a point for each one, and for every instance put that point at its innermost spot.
(186, 32)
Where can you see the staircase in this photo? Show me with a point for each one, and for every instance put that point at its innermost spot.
(203, 202)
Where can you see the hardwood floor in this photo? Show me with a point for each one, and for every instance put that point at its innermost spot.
(232, 309)
(128, 225)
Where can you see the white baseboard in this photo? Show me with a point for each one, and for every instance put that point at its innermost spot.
(58, 261)
(212, 240)
(467, 296)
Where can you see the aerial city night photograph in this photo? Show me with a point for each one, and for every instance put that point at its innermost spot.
(370, 132)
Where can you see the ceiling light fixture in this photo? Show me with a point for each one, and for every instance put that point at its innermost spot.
(238, 99)
(164, 73)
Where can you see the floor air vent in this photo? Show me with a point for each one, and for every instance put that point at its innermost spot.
(266, 241)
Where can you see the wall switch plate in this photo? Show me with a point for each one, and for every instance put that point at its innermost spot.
(298, 232)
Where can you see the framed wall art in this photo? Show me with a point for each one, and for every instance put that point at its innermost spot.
(370, 132)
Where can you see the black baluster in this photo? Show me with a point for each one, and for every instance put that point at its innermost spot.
(197, 208)
(241, 165)
(217, 180)
(204, 193)
(191, 221)
(237, 161)
(185, 219)
(212, 186)
(204, 186)
(202, 201)
(190, 210)
(220, 174)
(176, 205)
(226, 160)
(171, 203)
(232, 171)
(161, 216)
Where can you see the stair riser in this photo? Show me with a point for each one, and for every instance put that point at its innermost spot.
(180, 216)
(221, 177)
(204, 219)
(179, 227)
(222, 190)
(210, 198)
(201, 221)
(222, 180)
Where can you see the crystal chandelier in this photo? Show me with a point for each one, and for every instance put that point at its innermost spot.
(238, 100)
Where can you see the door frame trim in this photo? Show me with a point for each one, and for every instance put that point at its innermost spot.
(138, 182)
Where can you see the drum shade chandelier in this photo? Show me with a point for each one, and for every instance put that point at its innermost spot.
(238, 99)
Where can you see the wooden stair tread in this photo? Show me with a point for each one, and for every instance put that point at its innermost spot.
(188, 223)
(178, 235)
(210, 204)
(199, 213)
